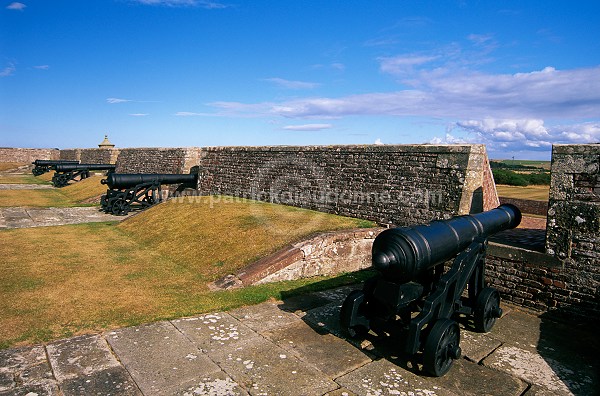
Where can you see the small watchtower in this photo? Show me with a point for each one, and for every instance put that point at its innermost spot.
(106, 144)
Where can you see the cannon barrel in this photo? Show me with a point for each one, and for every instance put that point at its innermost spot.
(39, 162)
(128, 180)
(402, 254)
(80, 167)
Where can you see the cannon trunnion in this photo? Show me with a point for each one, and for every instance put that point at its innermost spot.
(77, 172)
(415, 299)
(43, 166)
(140, 190)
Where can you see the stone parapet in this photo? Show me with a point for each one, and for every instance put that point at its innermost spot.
(27, 155)
(157, 160)
(390, 184)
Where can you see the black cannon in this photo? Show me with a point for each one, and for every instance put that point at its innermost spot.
(67, 172)
(43, 166)
(416, 298)
(138, 190)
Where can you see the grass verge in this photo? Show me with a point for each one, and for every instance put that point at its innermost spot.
(71, 195)
(536, 193)
(61, 281)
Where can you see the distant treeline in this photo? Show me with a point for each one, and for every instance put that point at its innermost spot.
(513, 166)
(511, 178)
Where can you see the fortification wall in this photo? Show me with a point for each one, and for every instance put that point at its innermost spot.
(157, 160)
(26, 155)
(527, 206)
(400, 184)
(91, 155)
(573, 228)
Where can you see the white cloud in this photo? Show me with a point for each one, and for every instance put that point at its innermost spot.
(450, 139)
(139, 114)
(188, 114)
(307, 127)
(117, 100)
(183, 3)
(378, 142)
(519, 134)
(403, 64)
(8, 70)
(292, 84)
(42, 67)
(545, 94)
(16, 6)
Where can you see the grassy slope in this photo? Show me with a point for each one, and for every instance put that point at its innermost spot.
(536, 193)
(58, 281)
(66, 196)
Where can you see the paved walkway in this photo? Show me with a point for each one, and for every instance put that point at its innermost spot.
(294, 348)
(17, 186)
(16, 217)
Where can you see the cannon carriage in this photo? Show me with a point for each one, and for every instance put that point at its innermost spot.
(416, 299)
(43, 166)
(76, 172)
(140, 191)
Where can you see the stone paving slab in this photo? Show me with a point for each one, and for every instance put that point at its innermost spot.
(263, 368)
(385, 378)
(17, 217)
(161, 360)
(268, 350)
(17, 186)
(85, 355)
(330, 354)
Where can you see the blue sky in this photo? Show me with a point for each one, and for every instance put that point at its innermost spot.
(515, 75)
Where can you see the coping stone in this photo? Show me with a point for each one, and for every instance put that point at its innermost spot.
(328, 353)
(161, 360)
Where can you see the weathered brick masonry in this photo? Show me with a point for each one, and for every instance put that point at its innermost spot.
(528, 206)
(573, 229)
(400, 184)
(158, 160)
(91, 155)
(27, 155)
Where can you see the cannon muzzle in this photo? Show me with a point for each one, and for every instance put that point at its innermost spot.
(402, 254)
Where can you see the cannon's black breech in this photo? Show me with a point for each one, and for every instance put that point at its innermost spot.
(84, 167)
(402, 254)
(126, 180)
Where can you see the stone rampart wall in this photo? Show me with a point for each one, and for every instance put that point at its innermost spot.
(400, 184)
(157, 160)
(528, 206)
(573, 227)
(27, 155)
(91, 155)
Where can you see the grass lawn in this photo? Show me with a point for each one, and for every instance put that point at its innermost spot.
(27, 178)
(60, 281)
(536, 193)
(10, 165)
(70, 195)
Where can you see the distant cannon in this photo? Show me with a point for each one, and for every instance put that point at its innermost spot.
(138, 190)
(67, 172)
(414, 299)
(43, 166)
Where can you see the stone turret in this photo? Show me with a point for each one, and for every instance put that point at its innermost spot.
(106, 144)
